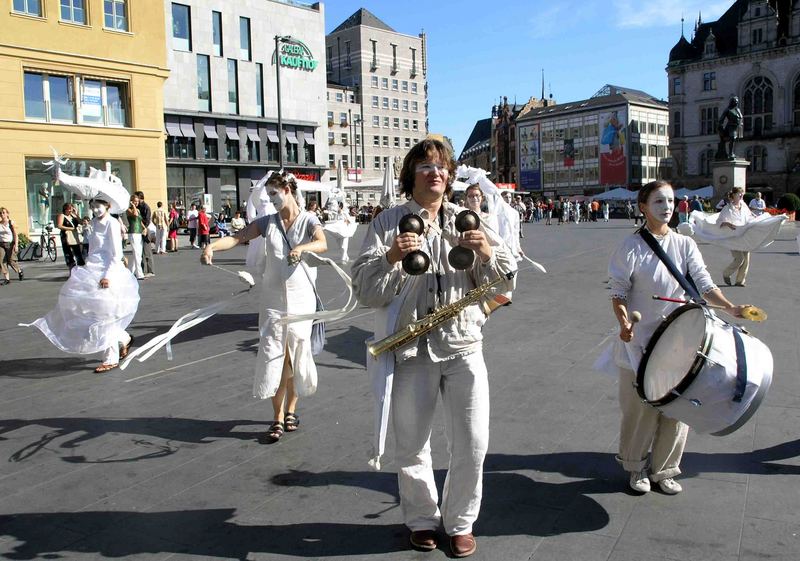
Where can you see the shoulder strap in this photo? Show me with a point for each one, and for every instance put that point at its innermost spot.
(279, 226)
(659, 251)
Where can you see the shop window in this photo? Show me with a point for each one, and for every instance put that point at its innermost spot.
(180, 147)
(115, 14)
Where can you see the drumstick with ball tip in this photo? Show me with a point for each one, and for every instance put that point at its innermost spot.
(636, 317)
(753, 313)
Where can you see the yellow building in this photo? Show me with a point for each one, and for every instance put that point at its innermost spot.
(86, 78)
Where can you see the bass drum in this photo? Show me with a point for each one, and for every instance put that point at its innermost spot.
(704, 372)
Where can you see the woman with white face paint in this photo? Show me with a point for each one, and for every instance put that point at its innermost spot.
(99, 300)
(651, 445)
(285, 367)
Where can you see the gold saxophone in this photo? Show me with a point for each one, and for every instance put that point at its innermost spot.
(435, 318)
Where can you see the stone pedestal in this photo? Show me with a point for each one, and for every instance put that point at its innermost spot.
(727, 175)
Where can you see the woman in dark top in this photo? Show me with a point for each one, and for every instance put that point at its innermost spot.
(67, 221)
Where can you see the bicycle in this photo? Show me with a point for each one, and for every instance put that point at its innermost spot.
(46, 243)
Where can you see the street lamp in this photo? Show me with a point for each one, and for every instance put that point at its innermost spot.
(278, 40)
(353, 125)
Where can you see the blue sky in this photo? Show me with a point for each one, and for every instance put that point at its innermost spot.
(479, 51)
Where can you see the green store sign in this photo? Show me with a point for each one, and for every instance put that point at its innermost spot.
(298, 56)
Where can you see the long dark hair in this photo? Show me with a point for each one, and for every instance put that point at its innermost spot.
(427, 148)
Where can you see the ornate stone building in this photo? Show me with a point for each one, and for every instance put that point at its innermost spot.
(752, 51)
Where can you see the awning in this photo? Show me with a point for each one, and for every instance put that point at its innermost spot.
(210, 130)
(309, 136)
(231, 132)
(187, 128)
(290, 136)
(173, 127)
(252, 133)
(272, 134)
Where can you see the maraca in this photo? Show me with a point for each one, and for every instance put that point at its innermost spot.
(462, 257)
(416, 262)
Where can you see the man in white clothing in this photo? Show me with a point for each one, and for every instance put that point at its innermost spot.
(757, 205)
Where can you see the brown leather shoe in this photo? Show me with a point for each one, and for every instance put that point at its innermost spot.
(424, 540)
(463, 546)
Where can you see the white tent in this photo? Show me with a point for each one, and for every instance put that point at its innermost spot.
(704, 192)
(618, 194)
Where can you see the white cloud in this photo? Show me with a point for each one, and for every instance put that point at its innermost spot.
(547, 21)
(636, 13)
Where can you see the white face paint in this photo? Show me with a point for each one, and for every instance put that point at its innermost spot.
(660, 205)
(277, 197)
(99, 210)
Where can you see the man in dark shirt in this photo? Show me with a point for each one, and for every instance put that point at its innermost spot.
(147, 251)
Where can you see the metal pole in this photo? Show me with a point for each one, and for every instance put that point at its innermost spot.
(350, 129)
(278, 40)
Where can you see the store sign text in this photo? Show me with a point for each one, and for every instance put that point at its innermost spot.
(297, 55)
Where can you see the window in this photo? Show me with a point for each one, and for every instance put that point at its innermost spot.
(386, 122)
(244, 39)
(376, 162)
(709, 81)
(677, 86)
(330, 117)
(386, 141)
(395, 84)
(408, 142)
(180, 147)
(652, 150)
(394, 57)
(405, 105)
(414, 125)
(233, 87)
(253, 150)
(376, 121)
(757, 109)
(414, 107)
(413, 62)
(796, 102)
(375, 101)
(260, 89)
(181, 27)
(404, 86)
(708, 120)
(331, 137)
(374, 82)
(73, 11)
(376, 140)
(291, 152)
(758, 36)
(272, 146)
(405, 124)
(651, 128)
(636, 149)
(210, 148)
(29, 7)
(115, 14)
(343, 119)
(413, 87)
(396, 122)
(385, 83)
(344, 139)
(757, 155)
(331, 161)
(231, 149)
(203, 83)
(345, 162)
(706, 157)
(309, 149)
(358, 161)
(662, 130)
(53, 98)
(385, 103)
(374, 54)
(339, 97)
(676, 124)
(396, 104)
(397, 142)
(216, 32)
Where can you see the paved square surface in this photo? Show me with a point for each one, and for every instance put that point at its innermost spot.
(163, 460)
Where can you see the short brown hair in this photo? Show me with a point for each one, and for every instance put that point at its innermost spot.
(644, 192)
(473, 187)
(283, 179)
(421, 151)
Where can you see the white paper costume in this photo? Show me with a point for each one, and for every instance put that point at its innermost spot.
(87, 318)
(751, 233)
(285, 289)
(341, 227)
(258, 204)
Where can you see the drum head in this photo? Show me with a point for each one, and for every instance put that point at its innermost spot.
(673, 351)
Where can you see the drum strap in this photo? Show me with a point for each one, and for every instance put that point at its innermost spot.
(680, 277)
(741, 366)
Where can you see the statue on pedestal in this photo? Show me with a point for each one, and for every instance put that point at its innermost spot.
(729, 124)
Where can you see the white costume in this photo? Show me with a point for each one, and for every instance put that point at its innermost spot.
(447, 361)
(258, 204)
(635, 275)
(87, 318)
(285, 289)
(341, 227)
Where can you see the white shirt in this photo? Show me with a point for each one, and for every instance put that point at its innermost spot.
(6, 235)
(191, 218)
(758, 206)
(738, 216)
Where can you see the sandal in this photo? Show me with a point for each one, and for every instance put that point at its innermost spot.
(292, 422)
(123, 352)
(275, 431)
(105, 368)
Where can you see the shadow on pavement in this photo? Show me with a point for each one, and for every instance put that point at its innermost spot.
(79, 430)
(40, 368)
(349, 344)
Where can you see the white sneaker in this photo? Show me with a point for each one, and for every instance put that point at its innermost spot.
(639, 481)
(670, 486)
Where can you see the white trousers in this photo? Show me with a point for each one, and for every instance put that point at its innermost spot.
(161, 239)
(645, 431)
(464, 386)
(135, 261)
(111, 354)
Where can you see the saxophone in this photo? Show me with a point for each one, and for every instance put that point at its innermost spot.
(435, 318)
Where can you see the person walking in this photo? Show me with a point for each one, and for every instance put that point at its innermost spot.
(67, 221)
(448, 361)
(9, 242)
(147, 250)
(161, 222)
(606, 211)
(191, 223)
(203, 227)
(135, 229)
(683, 210)
(174, 224)
(734, 214)
(285, 368)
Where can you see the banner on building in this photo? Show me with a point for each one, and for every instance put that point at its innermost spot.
(613, 158)
(529, 157)
(92, 100)
(569, 152)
